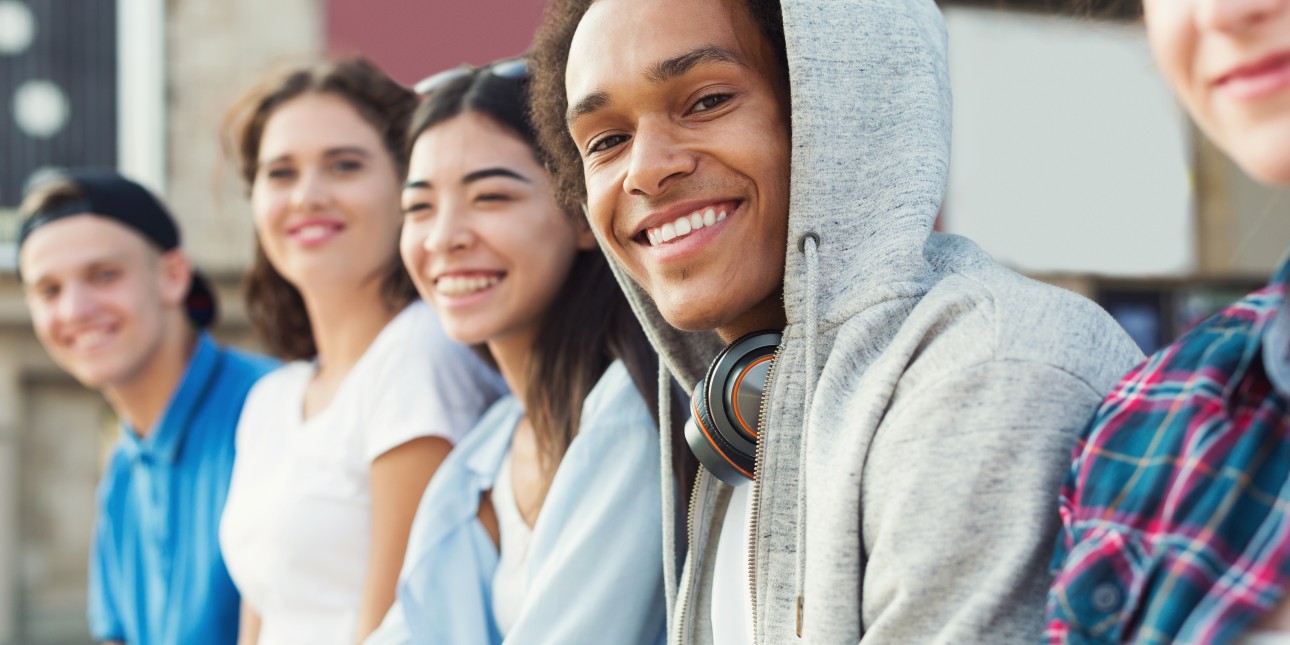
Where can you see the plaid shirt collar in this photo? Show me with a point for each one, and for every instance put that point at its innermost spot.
(1276, 340)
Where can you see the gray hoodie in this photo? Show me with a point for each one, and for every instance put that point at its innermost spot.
(925, 402)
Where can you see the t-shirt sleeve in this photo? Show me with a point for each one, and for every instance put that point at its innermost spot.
(426, 385)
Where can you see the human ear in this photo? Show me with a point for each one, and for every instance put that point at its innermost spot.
(175, 272)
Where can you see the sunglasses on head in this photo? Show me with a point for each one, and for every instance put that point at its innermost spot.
(509, 68)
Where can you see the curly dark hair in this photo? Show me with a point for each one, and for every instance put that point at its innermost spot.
(549, 58)
(274, 305)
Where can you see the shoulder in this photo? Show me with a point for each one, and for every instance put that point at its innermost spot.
(982, 312)
(1210, 381)
(274, 389)
(115, 478)
(615, 400)
(414, 355)
(615, 418)
(246, 365)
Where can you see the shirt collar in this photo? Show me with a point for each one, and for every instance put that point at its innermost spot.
(1276, 336)
(166, 439)
(485, 461)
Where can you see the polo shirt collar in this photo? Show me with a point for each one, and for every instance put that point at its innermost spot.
(167, 438)
(1276, 336)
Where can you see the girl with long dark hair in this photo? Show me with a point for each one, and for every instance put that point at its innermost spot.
(544, 525)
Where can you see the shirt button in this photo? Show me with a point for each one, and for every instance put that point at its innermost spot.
(1107, 597)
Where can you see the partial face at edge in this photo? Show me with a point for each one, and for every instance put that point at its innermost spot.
(100, 297)
(483, 238)
(679, 116)
(1229, 62)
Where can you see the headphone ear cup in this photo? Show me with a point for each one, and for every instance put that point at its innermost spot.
(714, 450)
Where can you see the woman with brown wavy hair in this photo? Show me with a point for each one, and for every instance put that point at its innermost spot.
(335, 448)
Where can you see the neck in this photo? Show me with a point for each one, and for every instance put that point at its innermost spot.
(767, 314)
(512, 354)
(141, 400)
(345, 323)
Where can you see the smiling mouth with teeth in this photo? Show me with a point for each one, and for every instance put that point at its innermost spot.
(684, 225)
(458, 285)
(88, 339)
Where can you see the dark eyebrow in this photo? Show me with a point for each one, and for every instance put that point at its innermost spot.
(666, 70)
(659, 73)
(493, 172)
(589, 103)
(419, 183)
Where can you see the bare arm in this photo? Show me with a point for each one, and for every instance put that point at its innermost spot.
(248, 632)
(399, 477)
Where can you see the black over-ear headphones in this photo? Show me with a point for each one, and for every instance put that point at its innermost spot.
(726, 407)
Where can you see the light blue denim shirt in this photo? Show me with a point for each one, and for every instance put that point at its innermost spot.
(595, 560)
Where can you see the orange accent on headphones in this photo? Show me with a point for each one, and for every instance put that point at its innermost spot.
(708, 436)
(719, 433)
(752, 430)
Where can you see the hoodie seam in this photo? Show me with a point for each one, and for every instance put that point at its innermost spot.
(927, 389)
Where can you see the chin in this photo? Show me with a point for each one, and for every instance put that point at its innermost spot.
(1272, 167)
(700, 318)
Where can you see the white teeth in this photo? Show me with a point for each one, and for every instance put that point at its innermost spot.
(89, 339)
(464, 286)
(684, 225)
(668, 232)
(314, 232)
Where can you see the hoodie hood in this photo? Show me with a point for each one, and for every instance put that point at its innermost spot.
(870, 97)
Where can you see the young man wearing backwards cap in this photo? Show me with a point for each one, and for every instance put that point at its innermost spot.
(117, 304)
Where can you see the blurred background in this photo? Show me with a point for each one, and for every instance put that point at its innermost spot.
(1072, 163)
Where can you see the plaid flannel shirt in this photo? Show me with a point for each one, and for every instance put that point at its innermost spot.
(1176, 511)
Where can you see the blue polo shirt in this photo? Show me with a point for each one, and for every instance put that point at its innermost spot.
(156, 573)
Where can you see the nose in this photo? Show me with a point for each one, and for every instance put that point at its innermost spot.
(309, 191)
(75, 302)
(452, 230)
(658, 157)
(1236, 15)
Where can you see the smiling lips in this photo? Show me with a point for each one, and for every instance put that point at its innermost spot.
(684, 225)
(90, 339)
(457, 285)
(315, 231)
(1258, 80)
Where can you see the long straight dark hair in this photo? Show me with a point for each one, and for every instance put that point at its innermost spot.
(591, 323)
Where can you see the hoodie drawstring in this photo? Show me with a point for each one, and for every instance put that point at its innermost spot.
(809, 244)
(669, 487)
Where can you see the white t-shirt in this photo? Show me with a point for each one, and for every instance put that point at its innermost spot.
(296, 529)
(732, 617)
(511, 580)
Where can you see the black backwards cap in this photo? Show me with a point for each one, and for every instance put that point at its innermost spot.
(108, 194)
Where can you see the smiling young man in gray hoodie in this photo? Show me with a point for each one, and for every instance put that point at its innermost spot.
(924, 401)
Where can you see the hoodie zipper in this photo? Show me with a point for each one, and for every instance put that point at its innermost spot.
(690, 553)
(756, 490)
